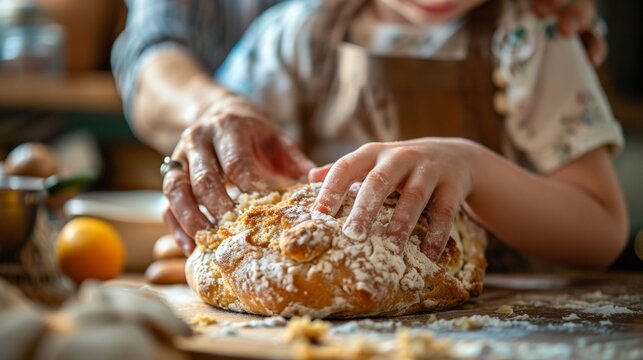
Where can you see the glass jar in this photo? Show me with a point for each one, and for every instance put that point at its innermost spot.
(31, 43)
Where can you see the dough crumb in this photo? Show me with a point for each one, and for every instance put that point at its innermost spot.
(358, 350)
(505, 309)
(467, 323)
(203, 320)
(421, 346)
(305, 329)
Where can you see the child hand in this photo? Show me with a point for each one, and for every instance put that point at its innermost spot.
(435, 169)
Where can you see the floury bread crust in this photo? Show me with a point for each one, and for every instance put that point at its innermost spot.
(272, 256)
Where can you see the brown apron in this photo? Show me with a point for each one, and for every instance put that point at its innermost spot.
(386, 98)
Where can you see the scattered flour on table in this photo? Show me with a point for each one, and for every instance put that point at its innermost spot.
(596, 295)
(382, 335)
(597, 308)
(274, 321)
(226, 331)
(366, 325)
(571, 317)
(594, 303)
(521, 317)
(473, 322)
(481, 321)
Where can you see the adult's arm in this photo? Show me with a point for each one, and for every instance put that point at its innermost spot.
(163, 64)
(164, 59)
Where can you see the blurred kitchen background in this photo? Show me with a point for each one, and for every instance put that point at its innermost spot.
(56, 88)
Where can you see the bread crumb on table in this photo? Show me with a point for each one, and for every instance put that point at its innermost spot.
(505, 309)
(361, 349)
(409, 345)
(203, 320)
(467, 323)
(422, 345)
(304, 328)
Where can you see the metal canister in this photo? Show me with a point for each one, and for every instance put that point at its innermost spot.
(27, 258)
(21, 201)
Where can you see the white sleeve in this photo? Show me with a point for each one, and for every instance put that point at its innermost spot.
(268, 64)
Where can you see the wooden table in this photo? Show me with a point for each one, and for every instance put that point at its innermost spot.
(580, 316)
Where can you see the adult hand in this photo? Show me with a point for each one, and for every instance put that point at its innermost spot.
(435, 170)
(576, 18)
(231, 142)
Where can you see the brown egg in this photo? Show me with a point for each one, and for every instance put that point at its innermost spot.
(166, 271)
(167, 248)
(31, 159)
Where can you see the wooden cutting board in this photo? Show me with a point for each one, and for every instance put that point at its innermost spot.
(573, 316)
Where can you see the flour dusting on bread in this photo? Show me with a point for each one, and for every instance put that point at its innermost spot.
(273, 256)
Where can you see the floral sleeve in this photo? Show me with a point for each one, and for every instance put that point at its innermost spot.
(555, 109)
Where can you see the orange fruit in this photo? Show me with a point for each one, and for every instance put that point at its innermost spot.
(90, 248)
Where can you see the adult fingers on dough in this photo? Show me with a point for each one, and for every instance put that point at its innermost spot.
(206, 177)
(235, 148)
(184, 240)
(182, 203)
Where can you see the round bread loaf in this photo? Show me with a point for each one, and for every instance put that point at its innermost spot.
(272, 256)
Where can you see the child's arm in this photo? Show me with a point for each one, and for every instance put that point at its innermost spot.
(576, 215)
(559, 121)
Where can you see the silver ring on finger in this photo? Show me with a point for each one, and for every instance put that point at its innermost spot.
(169, 165)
